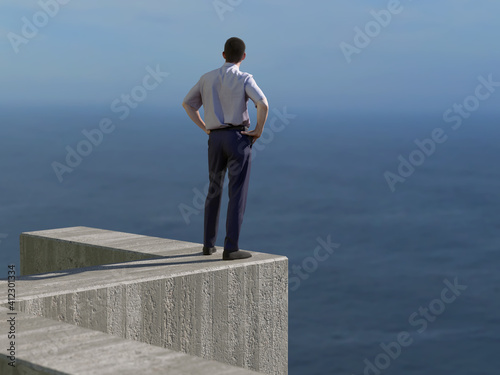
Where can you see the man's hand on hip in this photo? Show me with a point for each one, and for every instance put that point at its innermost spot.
(252, 133)
(262, 111)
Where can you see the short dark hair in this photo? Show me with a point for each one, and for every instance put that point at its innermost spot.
(234, 49)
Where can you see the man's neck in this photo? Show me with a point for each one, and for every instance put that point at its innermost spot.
(237, 64)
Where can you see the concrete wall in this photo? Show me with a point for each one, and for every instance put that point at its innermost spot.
(234, 312)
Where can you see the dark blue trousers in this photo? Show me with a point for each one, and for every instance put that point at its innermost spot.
(229, 150)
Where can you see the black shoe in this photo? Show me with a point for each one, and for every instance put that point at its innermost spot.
(240, 254)
(209, 250)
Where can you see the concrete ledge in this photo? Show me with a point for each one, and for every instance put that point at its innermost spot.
(76, 247)
(45, 346)
(234, 312)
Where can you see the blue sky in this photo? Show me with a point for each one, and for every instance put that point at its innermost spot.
(428, 56)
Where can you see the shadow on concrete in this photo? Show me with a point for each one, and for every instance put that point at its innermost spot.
(121, 265)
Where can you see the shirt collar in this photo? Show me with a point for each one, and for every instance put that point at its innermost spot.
(230, 64)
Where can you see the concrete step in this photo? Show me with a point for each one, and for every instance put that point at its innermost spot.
(45, 346)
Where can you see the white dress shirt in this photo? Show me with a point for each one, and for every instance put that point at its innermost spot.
(224, 94)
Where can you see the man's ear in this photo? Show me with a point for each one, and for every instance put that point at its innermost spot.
(224, 54)
(244, 55)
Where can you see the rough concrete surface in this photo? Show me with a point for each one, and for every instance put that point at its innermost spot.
(172, 297)
(45, 346)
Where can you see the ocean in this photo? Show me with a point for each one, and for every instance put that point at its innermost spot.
(389, 220)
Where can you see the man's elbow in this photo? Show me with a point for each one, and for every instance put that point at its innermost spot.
(263, 104)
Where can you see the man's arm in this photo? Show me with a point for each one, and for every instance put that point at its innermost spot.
(194, 115)
(262, 111)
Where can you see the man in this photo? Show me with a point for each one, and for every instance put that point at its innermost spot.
(224, 94)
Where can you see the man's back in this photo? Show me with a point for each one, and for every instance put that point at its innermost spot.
(224, 94)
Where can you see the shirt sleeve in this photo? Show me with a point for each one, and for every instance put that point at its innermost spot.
(253, 91)
(193, 98)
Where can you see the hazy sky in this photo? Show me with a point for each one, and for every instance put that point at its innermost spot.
(428, 55)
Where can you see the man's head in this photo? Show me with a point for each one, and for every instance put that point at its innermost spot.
(234, 50)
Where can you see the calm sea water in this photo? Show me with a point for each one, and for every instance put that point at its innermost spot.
(320, 178)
